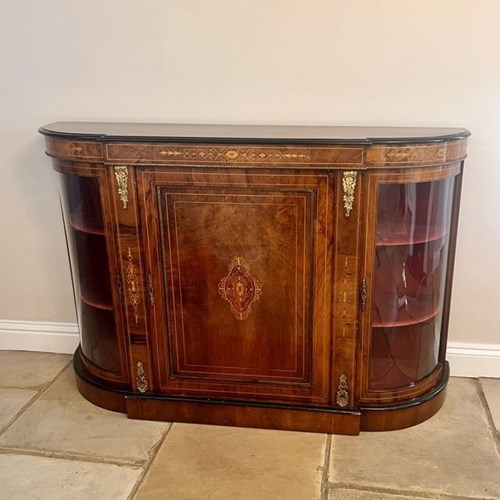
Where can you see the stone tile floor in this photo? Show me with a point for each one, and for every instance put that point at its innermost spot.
(55, 445)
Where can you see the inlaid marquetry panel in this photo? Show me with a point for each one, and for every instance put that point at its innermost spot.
(345, 297)
(245, 282)
(272, 231)
(131, 276)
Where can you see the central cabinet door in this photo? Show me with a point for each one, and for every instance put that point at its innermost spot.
(240, 265)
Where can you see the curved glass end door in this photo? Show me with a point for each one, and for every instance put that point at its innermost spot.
(83, 214)
(411, 249)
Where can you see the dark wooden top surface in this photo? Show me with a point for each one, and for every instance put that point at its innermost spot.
(249, 134)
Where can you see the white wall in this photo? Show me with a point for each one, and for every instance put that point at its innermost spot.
(377, 62)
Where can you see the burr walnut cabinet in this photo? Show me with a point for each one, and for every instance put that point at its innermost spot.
(283, 277)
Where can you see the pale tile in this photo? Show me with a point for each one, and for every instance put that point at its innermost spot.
(346, 494)
(453, 452)
(491, 389)
(63, 421)
(30, 369)
(221, 463)
(11, 401)
(64, 389)
(26, 477)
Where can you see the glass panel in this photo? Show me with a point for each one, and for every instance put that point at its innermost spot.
(410, 263)
(89, 261)
(84, 203)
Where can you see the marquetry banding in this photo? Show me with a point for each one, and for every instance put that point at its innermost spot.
(74, 149)
(213, 154)
(344, 157)
(416, 154)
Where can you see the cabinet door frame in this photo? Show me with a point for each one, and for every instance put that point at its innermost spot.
(149, 180)
(371, 182)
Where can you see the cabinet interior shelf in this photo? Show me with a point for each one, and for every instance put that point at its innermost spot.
(405, 321)
(422, 236)
(86, 225)
(92, 302)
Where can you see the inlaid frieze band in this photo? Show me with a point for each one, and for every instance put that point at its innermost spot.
(416, 154)
(239, 288)
(81, 150)
(220, 155)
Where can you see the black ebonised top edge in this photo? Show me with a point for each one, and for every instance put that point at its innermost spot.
(360, 135)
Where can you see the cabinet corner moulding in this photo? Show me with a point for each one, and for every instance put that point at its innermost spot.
(294, 278)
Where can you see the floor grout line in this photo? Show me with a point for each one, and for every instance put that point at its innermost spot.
(145, 469)
(18, 413)
(415, 494)
(489, 417)
(37, 388)
(41, 391)
(326, 468)
(11, 450)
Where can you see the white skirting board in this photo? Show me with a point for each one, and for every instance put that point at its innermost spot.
(466, 360)
(473, 360)
(38, 336)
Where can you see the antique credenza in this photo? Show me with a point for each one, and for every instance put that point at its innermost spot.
(281, 277)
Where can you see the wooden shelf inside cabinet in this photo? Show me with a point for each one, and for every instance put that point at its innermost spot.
(405, 320)
(398, 237)
(86, 224)
(93, 270)
(93, 302)
(209, 260)
(98, 337)
(408, 283)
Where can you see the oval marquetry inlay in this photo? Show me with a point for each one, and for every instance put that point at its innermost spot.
(239, 288)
